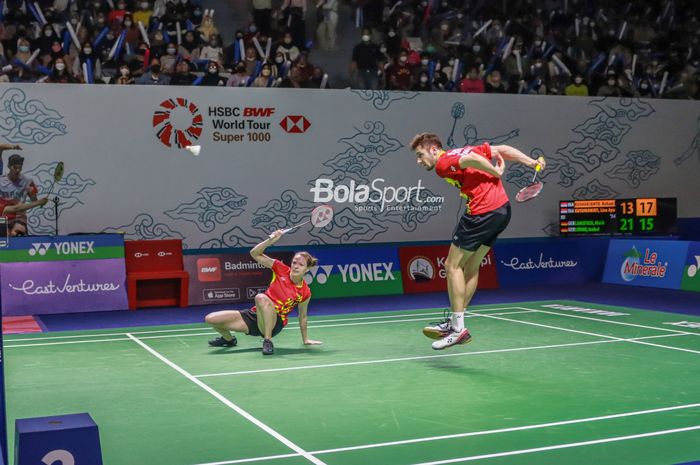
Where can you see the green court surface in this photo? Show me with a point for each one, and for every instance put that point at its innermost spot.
(541, 383)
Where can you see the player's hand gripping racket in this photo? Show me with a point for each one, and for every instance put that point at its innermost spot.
(533, 190)
(57, 176)
(321, 217)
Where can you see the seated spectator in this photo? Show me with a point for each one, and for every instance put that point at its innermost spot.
(143, 13)
(212, 51)
(292, 80)
(154, 76)
(306, 69)
(167, 61)
(316, 81)
(287, 47)
(60, 73)
(207, 28)
(182, 75)
(239, 77)
(211, 77)
(265, 79)
(610, 88)
(472, 83)
(125, 77)
(16, 228)
(423, 84)
(577, 87)
(494, 84)
(251, 61)
(189, 48)
(399, 73)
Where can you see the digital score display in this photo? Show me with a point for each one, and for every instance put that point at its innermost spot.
(643, 217)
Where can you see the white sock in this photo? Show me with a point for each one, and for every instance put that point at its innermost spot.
(458, 321)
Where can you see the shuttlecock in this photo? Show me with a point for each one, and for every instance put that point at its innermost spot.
(194, 149)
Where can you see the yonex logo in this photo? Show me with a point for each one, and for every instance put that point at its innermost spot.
(319, 273)
(63, 248)
(40, 248)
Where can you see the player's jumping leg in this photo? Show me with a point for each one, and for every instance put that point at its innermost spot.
(471, 267)
(267, 316)
(224, 322)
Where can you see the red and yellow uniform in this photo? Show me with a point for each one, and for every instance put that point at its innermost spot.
(283, 292)
(484, 192)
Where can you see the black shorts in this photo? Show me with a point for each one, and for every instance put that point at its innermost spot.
(473, 231)
(251, 320)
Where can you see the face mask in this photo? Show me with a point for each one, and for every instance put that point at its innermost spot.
(121, 6)
(171, 51)
(538, 43)
(155, 68)
(443, 27)
(60, 66)
(265, 72)
(644, 86)
(424, 62)
(403, 59)
(423, 79)
(252, 28)
(287, 40)
(279, 60)
(460, 16)
(87, 51)
(382, 49)
(213, 70)
(451, 62)
(611, 82)
(476, 48)
(127, 23)
(538, 65)
(48, 33)
(144, 6)
(365, 38)
(391, 34)
(109, 36)
(124, 71)
(74, 21)
(101, 20)
(578, 80)
(159, 37)
(23, 48)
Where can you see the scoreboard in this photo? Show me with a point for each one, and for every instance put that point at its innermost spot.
(641, 216)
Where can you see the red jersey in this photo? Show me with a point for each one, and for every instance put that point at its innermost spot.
(484, 192)
(283, 292)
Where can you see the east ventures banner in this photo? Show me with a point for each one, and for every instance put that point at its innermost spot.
(38, 288)
(227, 277)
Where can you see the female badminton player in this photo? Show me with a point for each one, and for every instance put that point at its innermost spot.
(487, 214)
(269, 315)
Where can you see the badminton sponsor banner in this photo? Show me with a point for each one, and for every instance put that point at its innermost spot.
(355, 271)
(228, 277)
(646, 263)
(63, 287)
(691, 269)
(60, 248)
(529, 262)
(423, 269)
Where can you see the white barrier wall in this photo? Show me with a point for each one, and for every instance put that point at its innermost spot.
(268, 154)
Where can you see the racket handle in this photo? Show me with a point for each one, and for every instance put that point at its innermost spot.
(539, 166)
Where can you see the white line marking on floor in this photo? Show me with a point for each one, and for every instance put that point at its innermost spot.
(229, 404)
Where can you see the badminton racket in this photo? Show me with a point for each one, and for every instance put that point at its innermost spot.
(57, 176)
(531, 191)
(321, 217)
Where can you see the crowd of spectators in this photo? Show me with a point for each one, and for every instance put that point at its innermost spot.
(154, 43)
(576, 47)
(563, 47)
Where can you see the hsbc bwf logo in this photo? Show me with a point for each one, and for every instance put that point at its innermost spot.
(295, 124)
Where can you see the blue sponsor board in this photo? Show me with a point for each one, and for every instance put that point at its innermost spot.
(648, 263)
(691, 268)
(525, 262)
(355, 271)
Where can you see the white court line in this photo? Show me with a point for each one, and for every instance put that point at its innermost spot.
(209, 332)
(561, 446)
(421, 357)
(632, 340)
(614, 322)
(229, 404)
(157, 331)
(469, 434)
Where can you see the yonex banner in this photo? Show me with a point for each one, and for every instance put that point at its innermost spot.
(63, 286)
(228, 277)
(691, 269)
(52, 248)
(646, 263)
(551, 261)
(423, 269)
(356, 271)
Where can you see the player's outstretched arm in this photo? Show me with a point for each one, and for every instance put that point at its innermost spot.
(257, 252)
(476, 161)
(303, 307)
(512, 154)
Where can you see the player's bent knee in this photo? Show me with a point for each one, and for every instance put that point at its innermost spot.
(261, 300)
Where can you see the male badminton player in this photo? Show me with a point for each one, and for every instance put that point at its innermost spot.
(487, 214)
(269, 315)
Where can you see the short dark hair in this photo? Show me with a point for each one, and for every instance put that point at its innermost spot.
(425, 139)
(15, 160)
